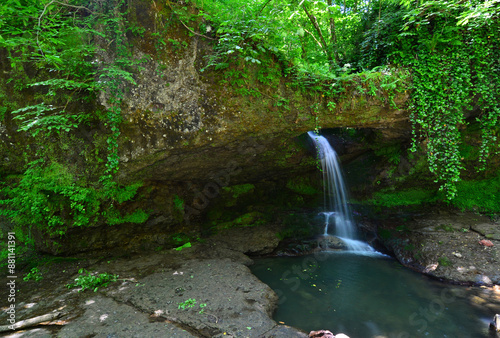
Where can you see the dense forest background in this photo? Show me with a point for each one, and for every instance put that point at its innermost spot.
(58, 57)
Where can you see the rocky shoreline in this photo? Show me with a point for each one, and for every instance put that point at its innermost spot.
(208, 290)
(227, 299)
(456, 247)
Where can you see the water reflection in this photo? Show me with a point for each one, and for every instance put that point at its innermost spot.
(365, 296)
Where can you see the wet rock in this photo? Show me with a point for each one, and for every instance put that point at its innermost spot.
(283, 331)
(331, 242)
(490, 231)
(440, 244)
(249, 240)
(104, 317)
(483, 280)
(495, 324)
(211, 297)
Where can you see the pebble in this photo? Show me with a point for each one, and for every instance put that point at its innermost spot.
(486, 242)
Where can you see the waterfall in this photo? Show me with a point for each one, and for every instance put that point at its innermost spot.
(337, 211)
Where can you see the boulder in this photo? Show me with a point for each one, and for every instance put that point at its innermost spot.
(489, 230)
(331, 242)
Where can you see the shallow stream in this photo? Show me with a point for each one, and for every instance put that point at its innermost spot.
(372, 296)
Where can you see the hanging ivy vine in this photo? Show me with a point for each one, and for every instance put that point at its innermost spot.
(453, 53)
(455, 69)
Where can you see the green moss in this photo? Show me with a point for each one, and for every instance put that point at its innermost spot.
(139, 216)
(483, 196)
(240, 189)
(302, 185)
(178, 203)
(385, 234)
(246, 220)
(392, 153)
(469, 152)
(296, 226)
(446, 228)
(444, 261)
(402, 198)
(237, 190)
(178, 239)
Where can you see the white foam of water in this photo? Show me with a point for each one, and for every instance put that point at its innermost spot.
(336, 198)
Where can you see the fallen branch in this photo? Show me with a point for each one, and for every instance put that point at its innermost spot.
(30, 322)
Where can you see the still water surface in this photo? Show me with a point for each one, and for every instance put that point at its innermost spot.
(369, 296)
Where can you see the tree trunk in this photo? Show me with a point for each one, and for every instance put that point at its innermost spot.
(333, 40)
(324, 45)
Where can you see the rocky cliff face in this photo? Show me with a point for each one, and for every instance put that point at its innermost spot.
(180, 124)
(188, 135)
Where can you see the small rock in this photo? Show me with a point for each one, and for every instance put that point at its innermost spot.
(486, 242)
(332, 242)
(495, 324)
(431, 267)
(483, 279)
(321, 334)
(457, 254)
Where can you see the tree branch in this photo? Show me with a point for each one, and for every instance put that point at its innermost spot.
(323, 44)
(260, 11)
(311, 34)
(30, 322)
(43, 13)
(333, 39)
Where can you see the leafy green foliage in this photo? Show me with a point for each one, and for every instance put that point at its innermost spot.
(188, 303)
(51, 199)
(92, 280)
(451, 50)
(311, 33)
(191, 303)
(454, 69)
(34, 274)
(61, 55)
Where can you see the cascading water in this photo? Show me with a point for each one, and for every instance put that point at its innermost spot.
(335, 195)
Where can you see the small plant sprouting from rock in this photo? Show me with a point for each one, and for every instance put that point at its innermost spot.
(190, 303)
(34, 274)
(89, 280)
